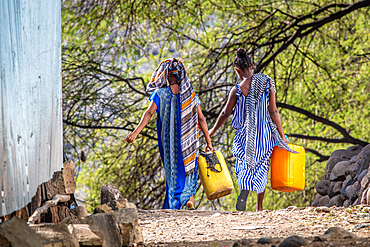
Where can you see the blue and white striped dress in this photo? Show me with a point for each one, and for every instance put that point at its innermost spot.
(253, 177)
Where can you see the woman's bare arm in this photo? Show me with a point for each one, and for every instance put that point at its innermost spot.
(143, 122)
(274, 114)
(224, 115)
(203, 126)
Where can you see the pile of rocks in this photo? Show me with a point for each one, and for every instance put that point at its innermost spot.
(347, 178)
(56, 221)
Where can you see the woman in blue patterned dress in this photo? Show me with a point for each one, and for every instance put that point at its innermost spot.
(258, 127)
(178, 114)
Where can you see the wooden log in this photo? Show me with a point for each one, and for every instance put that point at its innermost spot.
(37, 214)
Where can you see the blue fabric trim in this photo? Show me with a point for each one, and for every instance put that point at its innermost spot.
(155, 98)
(179, 187)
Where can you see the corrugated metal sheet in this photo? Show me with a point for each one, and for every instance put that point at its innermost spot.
(31, 94)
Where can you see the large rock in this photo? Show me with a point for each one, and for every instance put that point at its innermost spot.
(335, 201)
(352, 170)
(322, 187)
(365, 198)
(338, 171)
(113, 229)
(340, 155)
(355, 148)
(365, 180)
(337, 187)
(363, 158)
(351, 194)
(316, 202)
(57, 234)
(63, 182)
(334, 189)
(324, 200)
(114, 206)
(353, 159)
(349, 181)
(109, 193)
(335, 233)
(17, 233)
(356, 187)
(362, 175)
(293, 241)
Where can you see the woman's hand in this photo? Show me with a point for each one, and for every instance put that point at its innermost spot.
(209, 148)
(285, 140)
(131, 137)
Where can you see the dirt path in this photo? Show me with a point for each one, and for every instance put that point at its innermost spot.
(221, 228)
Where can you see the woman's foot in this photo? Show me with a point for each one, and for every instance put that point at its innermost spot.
(242, 200)
(259, 203)
(190, 204)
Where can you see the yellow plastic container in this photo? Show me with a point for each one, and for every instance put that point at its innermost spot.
(288, 169)
(216, 181)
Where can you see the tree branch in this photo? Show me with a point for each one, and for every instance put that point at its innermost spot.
(347, 138)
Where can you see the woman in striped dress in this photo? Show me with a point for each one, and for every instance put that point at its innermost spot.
(258, 127)
(178, 114)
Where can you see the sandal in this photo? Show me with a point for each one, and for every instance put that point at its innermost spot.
(241, 204)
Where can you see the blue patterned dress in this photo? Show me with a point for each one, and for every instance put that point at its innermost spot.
(252, 177)
(179, 187)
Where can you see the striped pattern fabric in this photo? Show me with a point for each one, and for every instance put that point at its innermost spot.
(255, 136)
(189, 116)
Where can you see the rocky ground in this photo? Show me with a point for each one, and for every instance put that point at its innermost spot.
(267, 228)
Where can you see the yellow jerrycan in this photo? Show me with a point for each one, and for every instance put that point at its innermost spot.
(214, 175)
(288, 169)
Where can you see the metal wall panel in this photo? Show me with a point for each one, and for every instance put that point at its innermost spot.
(30, 98)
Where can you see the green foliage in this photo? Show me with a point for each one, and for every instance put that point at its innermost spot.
(110, 49)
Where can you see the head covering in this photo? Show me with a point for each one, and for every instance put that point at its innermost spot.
(189, 116)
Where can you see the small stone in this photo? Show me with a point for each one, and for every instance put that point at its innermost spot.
(322, 187)
(236, 244)
(334, 233)
(293, 241)
(322, 210)
(364, 196)
(360, 226)
(109, 193)
(265, 240)
(357, 202)
(346, 203)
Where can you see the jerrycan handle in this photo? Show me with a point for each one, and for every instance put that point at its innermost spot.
(212, 161)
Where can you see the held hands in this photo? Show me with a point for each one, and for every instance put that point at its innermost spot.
(209, 148)
(285, 139)
(131, 137)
